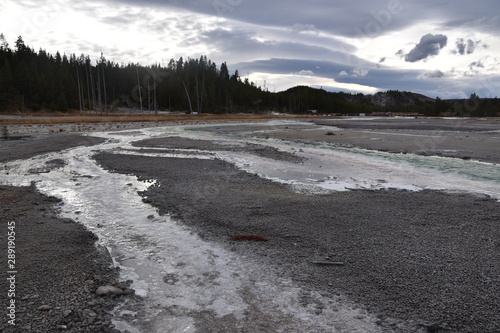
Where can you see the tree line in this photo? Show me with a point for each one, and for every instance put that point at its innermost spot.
(34, 81)
(41, 81)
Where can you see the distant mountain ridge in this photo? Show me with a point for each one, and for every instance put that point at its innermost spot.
(304, 98)
(391, 98)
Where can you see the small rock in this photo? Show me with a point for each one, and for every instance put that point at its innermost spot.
(108, 291)
(90, 313)
(44, 307)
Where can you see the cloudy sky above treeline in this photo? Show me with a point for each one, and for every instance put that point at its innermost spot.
(445, 48)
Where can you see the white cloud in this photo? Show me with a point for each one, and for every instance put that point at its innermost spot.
(307, 28)
(281, 82)
(306, 72)
(360, 71)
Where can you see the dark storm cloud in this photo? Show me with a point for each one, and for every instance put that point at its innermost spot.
(241, 43)
(384, 79)
(427, 83)
(466, 47)
(429, 45)
(342, 18)
(387, 79)
(478, 16)
(287, 66)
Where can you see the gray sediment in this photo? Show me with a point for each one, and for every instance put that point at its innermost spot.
(410, 257)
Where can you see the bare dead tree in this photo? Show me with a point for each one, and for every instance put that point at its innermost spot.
(189, 98)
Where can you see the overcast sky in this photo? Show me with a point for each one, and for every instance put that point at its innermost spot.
(445, 48)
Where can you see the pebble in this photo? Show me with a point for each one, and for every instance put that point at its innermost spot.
(44, 307)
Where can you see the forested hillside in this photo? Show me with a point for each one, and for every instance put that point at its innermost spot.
(44, 81)
(33, 81)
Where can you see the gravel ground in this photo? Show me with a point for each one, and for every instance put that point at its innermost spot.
(411, 258)
(252, 148)
(21, 147)
(58, 268)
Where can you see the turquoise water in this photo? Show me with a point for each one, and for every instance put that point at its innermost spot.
(341, 168)
(445, 165)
